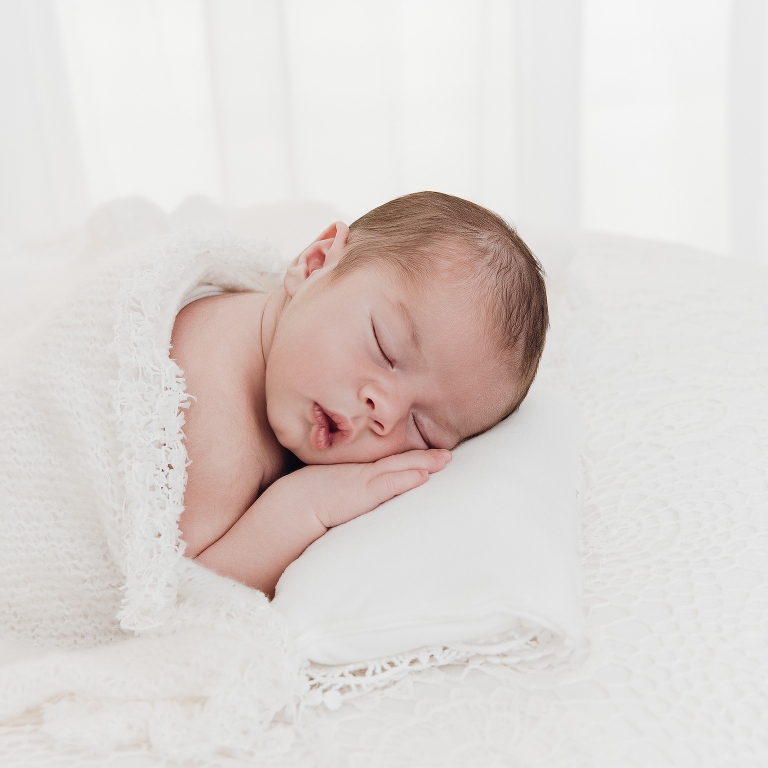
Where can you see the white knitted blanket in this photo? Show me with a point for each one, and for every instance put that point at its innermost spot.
(92, 475)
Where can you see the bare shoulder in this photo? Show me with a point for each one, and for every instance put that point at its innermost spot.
(232, 451)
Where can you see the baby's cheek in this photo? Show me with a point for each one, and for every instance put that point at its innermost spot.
(279, 423)
(401, 443)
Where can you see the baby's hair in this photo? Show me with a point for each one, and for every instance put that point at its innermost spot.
(419, 232)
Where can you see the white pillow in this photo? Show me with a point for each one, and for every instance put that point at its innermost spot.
(489, 541)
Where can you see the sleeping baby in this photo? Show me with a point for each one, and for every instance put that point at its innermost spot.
(390, 342)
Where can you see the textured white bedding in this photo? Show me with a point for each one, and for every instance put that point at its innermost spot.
(665, 350)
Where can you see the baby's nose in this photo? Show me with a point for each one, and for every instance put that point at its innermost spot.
(384, 413)
(378, 418)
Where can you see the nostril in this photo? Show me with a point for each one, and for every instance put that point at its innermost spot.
(370, 402)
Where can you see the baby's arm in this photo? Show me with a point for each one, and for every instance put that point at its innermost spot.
(302, 506)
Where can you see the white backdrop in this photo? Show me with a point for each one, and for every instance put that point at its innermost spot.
(642, 117)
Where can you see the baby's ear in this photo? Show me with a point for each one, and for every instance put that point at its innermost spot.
(322, 255)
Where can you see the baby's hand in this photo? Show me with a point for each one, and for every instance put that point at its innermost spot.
(337, 493)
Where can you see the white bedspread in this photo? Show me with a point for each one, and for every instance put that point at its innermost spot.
(666, 352)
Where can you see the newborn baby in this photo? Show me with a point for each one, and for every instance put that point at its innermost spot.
(390, 342)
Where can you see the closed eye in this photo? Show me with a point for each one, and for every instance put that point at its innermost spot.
(376, 338)
(421, 434)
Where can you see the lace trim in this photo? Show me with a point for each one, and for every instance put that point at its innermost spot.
(523, 648)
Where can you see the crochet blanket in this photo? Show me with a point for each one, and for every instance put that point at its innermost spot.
(92, 475)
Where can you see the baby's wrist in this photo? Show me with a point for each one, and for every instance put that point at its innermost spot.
(304, 511)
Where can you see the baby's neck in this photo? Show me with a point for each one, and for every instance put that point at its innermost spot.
(274, 304)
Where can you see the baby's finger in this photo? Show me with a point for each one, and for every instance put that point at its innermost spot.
(433, 460)
(386, 486)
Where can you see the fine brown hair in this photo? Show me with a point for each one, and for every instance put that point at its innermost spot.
(418, 232)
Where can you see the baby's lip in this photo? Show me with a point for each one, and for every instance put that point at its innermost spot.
(341, 426)
(330, 428)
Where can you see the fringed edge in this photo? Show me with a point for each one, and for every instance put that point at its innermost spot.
(526, 649)
(149, 399)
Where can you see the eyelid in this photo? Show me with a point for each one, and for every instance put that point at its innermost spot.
(378, 344)
(421, 435)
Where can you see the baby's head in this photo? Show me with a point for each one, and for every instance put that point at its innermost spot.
(421, 325)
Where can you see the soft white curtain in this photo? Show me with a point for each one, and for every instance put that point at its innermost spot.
(643, 117)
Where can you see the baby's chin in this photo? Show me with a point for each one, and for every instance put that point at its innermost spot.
(306, 454)
(329, 456)
(335, 455)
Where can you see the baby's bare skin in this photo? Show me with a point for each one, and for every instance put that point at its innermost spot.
(266, 370)
(234, 453)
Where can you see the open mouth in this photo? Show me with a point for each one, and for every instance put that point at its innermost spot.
(329, 428)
